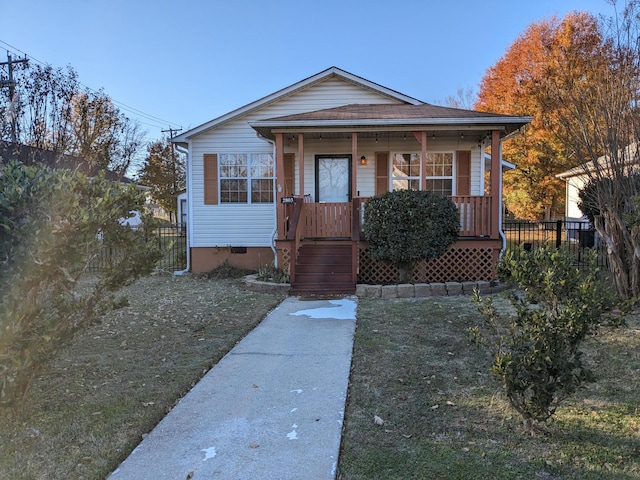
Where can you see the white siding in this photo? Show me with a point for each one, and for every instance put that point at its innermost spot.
(253, 224)
(574, 186)
(368, 147)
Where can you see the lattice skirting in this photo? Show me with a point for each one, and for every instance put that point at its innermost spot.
(458, 264)
(284, 258)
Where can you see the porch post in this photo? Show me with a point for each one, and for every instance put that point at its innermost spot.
(279, 184)
(301, 164)
(496, 194)
(354, 164)
(423, 161)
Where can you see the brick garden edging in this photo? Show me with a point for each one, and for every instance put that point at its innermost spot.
(418, 290)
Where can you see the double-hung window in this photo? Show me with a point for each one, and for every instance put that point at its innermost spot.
(439, 174)
(405, 171)
(262, 177)
(246, 178)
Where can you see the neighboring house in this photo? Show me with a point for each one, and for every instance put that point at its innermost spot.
(181, 211)
(285, 179)
(576, 178)
(31, 156)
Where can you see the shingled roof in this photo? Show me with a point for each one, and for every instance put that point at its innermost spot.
(388, 112)
(32, 156)
(381, 117)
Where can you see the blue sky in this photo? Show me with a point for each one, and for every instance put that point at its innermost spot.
(187, 62)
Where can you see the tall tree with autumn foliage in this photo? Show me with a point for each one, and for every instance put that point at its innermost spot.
(164, 171)
(579, 78)
(517, 85)
(600, 128)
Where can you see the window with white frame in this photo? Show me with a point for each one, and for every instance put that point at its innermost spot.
(439, 173)
(246, 178)
(405, 171)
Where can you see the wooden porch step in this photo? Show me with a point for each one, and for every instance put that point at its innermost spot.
(323, 268)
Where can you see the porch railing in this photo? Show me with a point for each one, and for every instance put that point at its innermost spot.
(327, 220)
(335, 220)
(475, 215)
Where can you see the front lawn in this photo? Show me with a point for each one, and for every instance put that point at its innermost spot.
(118, 379)
(444, 418)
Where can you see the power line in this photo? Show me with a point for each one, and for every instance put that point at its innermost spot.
(159, 122)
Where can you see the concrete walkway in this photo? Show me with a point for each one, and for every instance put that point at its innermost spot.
(272, 408)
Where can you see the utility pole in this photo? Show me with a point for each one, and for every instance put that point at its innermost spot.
(170, 131)
(11, 84)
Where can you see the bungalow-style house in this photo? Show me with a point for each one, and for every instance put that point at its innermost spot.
(285, 179)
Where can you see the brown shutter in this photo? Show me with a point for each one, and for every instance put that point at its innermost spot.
(382, 172)
(463, 173)
(289, 174)
(210, 179)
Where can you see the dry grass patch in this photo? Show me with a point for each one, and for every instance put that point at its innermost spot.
(117, 380)
(445, 418)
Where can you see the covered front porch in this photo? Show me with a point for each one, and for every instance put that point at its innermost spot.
(329, 163)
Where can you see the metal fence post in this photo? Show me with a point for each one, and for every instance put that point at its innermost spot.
(558, 233)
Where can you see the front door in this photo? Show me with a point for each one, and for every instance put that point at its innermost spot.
(333, 178)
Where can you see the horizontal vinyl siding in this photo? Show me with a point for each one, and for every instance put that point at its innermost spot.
(238, 225)
(253, 224)
(477, 172)
(368, 147)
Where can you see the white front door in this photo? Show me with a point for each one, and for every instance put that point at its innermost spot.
(333, 178)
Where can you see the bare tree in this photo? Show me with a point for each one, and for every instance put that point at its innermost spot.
(599, 125)
(43, 107)
(465, 98)
(54, 113)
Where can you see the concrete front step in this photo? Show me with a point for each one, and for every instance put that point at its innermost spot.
(323, 289)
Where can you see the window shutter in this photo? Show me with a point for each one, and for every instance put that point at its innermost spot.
(289, 174)
(463, 173)
(210, 179)
(382, 172)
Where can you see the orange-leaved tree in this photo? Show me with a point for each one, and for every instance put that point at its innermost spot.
(518, 84)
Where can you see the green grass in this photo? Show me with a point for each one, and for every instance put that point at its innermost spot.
(117, 380)
(445, 418)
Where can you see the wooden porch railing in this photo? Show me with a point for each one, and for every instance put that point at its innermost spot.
(327, 220)
(475, 215)
(345, 220)
(336, 220)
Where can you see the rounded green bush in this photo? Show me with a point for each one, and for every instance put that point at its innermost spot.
(405, 226)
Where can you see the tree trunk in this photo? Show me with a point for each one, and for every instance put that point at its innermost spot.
(623, 253)
(406, 269)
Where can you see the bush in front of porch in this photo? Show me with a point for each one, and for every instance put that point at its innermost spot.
(406, 226)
